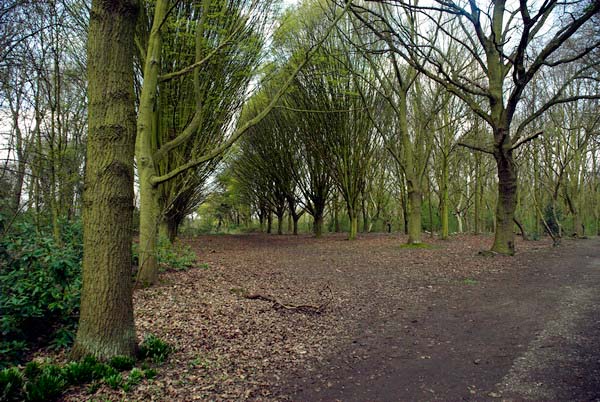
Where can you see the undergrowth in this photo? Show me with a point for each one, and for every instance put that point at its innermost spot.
(44, 381)
(174, 256)
(40, 284)
(416, 246)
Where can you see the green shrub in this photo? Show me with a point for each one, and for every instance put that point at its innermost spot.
(32, 369)
(47, 386)
(150, 373)
(114, 381)
(175, 256)
(122, 363)
(41, 381)
(40, 284)
(171, 256)
(135, 377)
(155, 349)
(11, 381)
(79, 372)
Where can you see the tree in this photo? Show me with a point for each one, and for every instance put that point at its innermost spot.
(146, 144)
(508, 47)
(106, 326)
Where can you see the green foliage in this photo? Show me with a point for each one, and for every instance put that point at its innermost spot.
(171, 256)
(11, 381)
(150, 373)
(552, 219)
(175, 256)
(155, 349)
(42, 381)
(416, 246)
(47, 386)
(122, 363)
(114, 381)
(135, 377)
(40, 284)
(32, 369)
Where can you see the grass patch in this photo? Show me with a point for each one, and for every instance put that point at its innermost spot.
(469, 281)
(417, 246)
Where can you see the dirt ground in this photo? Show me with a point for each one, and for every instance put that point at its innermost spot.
(397, 324)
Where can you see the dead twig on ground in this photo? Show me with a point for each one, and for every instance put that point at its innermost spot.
(304, 308)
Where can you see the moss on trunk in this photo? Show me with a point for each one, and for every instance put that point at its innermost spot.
(106, 326)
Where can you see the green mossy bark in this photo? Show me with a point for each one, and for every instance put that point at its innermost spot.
(353, 225)
(144, 149)
(106, 326)
(414, 218)
(444, 199)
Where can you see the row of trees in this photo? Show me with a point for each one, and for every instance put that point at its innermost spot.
(362, 104)
(388, 104)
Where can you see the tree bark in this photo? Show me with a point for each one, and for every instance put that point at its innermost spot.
(414, 219)
(144, 149)
(168, 229)
(280, 212)
(269, 222)
(353, 217)
(504, 237)
(318, 225)
(106, 326)
(444, 200)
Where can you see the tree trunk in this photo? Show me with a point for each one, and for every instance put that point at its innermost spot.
(269, 222)
(353, 217)
(106, 326)
(280, 214)
(430, 209)
(444, 201)
(504, 237)
(336, 217)
(318, 225)
(404, 204)
(148, 264)
(478, 193)
(414, 219)
(365, 217)
(261, 222)
(168, 229)
(144, 150)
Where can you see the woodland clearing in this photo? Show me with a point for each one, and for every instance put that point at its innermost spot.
(397, 323)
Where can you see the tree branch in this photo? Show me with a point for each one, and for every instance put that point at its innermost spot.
(525, 140)
(476, 148)
(156, 180)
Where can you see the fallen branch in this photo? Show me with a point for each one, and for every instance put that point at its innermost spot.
(279, 305)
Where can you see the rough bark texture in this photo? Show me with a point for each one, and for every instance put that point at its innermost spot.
(106, 326)
(353, 217)
(444, 200)
(318, 225)
(504, 237)
(414, 219)
(168, 229)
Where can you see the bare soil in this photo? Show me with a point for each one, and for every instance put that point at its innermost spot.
(397, 324)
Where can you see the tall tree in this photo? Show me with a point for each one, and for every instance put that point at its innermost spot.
(146, 144)
(106, 326)
(509, 45)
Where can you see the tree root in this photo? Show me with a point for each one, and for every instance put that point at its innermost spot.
(303, 308)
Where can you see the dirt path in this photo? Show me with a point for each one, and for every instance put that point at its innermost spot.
(439, 323)
(522, 334)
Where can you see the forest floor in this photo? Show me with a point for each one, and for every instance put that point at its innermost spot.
(396, 324)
